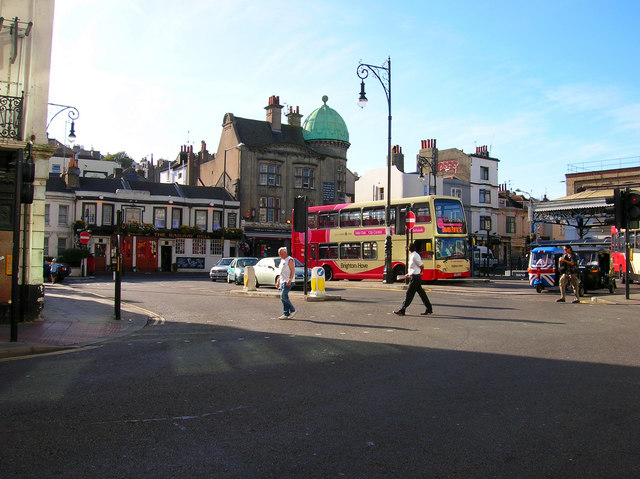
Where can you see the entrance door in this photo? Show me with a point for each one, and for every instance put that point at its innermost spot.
(165, 258)
(101, 257)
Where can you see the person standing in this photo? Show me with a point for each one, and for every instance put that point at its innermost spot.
(53, 270)
(568, 267)
(285, 283)
(414, 273)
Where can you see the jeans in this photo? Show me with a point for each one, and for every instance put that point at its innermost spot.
(287, 307)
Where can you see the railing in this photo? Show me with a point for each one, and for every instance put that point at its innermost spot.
(599, 165)
(11, 117)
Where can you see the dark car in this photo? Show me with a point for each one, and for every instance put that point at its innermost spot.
(62, 271)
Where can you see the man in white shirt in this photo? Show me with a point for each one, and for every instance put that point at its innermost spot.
(414, 273)
(285, 283)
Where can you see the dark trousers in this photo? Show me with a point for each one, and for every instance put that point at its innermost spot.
(415, 286)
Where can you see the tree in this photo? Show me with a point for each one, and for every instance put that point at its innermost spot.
(124, 160)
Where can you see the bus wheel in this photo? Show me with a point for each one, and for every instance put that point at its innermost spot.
(328, 273)
(398, 271)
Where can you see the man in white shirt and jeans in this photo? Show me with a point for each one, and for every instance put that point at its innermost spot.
(285, 283)
(414, 273)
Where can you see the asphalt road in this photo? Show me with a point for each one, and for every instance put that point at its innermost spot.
(499, 382)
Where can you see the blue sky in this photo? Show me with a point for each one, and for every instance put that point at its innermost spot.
(544, 84)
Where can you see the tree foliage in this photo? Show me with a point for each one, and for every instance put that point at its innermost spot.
(124, 160)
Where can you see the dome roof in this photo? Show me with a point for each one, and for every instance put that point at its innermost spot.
(325, 123)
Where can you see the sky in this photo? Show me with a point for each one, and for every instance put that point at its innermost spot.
(550, 86)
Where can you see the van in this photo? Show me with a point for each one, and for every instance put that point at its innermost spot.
(483, 257)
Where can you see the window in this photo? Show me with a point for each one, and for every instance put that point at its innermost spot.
(160, 217)
(201, 219)
(217, 220)
(133, 215)
(328, 219)
(328, 251)
(216, 247)
(45, 249)
(372, 216)
(89, 213)
(350, 250)
(484, 173)
(176, 217)
(423, 213)
(312, 220)
(63, 215)
(511, 224)
(46, 214)
(62, 245)
(304, 177)
(269, 209)
(485, 196)
(485, 223)
(350, 218)
(199, 246)
(370, 250)
(107, 215)
(269, 174)
(457, 192)
(180, 246)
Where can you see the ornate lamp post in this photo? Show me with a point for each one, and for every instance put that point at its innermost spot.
(73, 115)
(383, 74)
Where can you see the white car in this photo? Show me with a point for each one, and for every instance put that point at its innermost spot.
(268, 270)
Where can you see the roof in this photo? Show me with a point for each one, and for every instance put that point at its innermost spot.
(259, 133)
(325, 123)
(588, 199)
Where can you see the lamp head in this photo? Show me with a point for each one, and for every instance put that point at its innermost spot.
(362, 100)
(72, 132)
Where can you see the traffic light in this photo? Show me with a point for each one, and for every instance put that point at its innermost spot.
(632, 206)
(618, 209)
(300, 214)
(28, 175)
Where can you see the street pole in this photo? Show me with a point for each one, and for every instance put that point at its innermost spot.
(383, 74)
(118, 283)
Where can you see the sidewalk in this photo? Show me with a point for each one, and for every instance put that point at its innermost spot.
(72, 319)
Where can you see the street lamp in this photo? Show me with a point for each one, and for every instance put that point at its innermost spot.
(530, 212)
(383, 74)
(73, 115)
(224, 178)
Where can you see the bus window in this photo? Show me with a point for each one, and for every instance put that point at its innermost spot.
(423, 212)
(313, 252)
(349, 250)
(350, 218)
(372, 216)
(449, 216)
(424, 248)
(370, 250)
(328, 219)
(312, 221)
(328, 251)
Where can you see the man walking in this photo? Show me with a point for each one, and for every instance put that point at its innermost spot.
(285, 283)
(568, 267)
(414, 273)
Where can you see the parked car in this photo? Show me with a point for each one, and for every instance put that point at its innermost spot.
(268, 270)
(219, 270)
(235, 272)
(62, 272)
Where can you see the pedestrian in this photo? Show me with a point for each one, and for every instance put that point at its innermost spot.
(285, 283)
(568, 268)
(414, 273)
(53, 270)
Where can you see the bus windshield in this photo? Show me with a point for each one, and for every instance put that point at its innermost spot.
(449, 216)
(450, 248)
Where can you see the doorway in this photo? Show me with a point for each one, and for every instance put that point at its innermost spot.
(165, 258)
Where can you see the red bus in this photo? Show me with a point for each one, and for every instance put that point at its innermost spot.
(619, 254)
(347, 240)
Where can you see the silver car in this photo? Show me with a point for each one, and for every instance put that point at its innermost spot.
(219, 270)
(268, 271)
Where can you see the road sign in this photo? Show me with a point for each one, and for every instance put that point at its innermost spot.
(85, 236)
(410, 220)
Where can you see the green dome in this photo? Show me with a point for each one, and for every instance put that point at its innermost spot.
(325, 123)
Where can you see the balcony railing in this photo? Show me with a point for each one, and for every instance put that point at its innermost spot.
(11, 117)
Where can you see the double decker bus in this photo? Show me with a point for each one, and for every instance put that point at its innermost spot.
(348, 240)
(619, 253)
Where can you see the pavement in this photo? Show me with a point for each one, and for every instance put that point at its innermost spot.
(75, 319)
(72, 319)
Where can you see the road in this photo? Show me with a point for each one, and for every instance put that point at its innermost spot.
(499, 382)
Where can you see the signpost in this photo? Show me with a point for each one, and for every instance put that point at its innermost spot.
(85, 237)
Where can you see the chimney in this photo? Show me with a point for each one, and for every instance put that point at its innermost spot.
(294, 117)
(397, 158)
(72, 175)
(274, 113)
(482, 151)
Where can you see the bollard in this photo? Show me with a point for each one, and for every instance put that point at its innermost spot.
(249, 278)
(317, 281)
